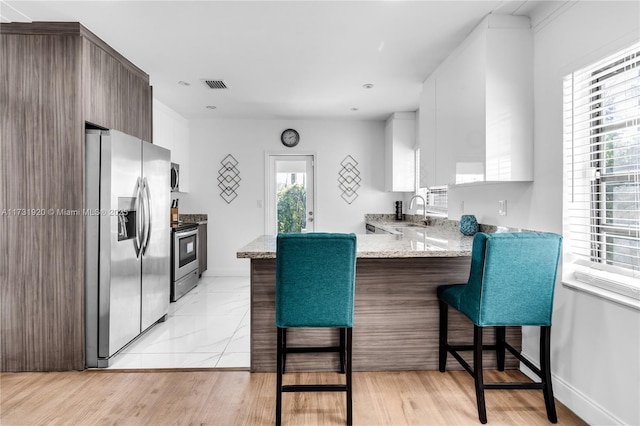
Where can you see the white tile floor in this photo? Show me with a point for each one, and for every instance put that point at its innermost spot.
(207, 328)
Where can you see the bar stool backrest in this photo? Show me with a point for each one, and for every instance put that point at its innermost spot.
(512, 278)
(315, 280)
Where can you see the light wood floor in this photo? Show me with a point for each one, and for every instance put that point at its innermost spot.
(241, 398)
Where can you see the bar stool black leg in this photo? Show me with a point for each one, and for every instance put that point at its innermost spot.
(477, 373)
(545, 367)
(342, 350)
(500, 348)
(349, 345)
(279, 372)
(284, 350)
(444, 326)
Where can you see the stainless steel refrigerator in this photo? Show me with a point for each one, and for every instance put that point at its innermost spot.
(127, 205)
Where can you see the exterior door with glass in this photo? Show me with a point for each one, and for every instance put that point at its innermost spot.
(290, 193)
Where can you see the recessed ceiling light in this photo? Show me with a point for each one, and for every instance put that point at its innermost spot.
(368, 86)
(211, 107)
(183, 83)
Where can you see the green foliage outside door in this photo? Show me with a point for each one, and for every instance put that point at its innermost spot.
(292, 200)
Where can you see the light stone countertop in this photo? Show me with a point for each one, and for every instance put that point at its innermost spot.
(413, 241)
(198, 218)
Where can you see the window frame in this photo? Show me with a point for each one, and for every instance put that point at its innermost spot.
(599, 275)
(602, 228)
(430, 194)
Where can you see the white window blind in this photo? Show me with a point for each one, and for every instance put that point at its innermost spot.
(436, 197)
(602, 184)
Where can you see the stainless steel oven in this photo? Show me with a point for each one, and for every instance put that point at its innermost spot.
(184, 260)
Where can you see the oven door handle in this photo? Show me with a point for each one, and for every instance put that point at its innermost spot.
(146, 201)
(182, 234)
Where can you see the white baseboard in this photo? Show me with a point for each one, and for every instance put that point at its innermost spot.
(585, 408)
(226, 272)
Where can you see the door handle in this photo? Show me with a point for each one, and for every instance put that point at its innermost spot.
(146, 197)
(138, 209)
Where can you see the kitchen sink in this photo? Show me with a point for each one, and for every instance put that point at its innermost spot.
(417, 234)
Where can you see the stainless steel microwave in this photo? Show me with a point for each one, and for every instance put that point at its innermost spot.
(175, 177)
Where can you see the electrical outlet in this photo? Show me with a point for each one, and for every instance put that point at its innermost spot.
(461, 206)
(502, 207)
(259, 204)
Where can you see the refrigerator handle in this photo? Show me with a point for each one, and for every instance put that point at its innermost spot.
(146, 197)
(138, 207)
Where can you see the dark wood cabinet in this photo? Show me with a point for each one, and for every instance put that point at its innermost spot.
(202, 251)
(112, 88)
(55, 78)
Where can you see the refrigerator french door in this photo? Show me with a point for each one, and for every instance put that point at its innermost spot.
(127, 198)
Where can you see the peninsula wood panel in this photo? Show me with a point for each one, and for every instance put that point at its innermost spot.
(42, 284)
(395, 324)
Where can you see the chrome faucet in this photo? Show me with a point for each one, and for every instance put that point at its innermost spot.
(424, 204)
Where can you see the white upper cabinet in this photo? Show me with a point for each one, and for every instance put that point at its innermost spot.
(476, 109)
(171, 131)
(400, 141)
(427, 133)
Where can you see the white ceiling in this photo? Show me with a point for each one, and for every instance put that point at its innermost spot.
(286, 59)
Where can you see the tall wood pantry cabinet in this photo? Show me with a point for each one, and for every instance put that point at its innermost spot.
(55, 78)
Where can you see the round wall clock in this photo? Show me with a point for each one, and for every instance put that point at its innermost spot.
(290, 138)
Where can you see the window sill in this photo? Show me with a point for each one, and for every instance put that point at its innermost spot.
(572, 283)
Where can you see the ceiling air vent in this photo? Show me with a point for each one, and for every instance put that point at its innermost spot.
(214, 84)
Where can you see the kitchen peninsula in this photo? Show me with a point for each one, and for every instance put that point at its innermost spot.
(396, 308)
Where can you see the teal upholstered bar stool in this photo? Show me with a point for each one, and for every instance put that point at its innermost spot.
(511, 283)
(315, 288)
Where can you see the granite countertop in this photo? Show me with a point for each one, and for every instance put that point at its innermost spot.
(198, 218)
(412, 241)
(416, 236)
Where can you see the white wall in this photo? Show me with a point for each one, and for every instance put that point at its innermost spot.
(233, 225)
(595, 343)
(171, 131)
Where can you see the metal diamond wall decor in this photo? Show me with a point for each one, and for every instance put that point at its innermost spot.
(229, 178)
(349, 179)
